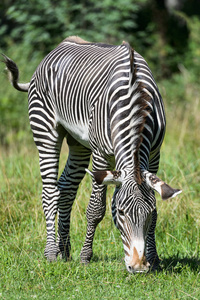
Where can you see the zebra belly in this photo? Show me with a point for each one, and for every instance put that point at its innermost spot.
(79, 131)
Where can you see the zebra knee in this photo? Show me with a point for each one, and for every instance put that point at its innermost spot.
(97, 205)
(95, 213)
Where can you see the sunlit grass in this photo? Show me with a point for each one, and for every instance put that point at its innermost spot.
(24, 272)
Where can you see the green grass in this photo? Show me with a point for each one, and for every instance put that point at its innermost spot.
(24, 272)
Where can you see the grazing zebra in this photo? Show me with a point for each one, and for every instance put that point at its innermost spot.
(104, 100)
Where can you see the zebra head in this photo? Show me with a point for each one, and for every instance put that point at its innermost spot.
(132, 208)
(132, 214)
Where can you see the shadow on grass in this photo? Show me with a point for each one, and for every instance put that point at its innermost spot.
(176, 264)
(172, 264)
(107, 258)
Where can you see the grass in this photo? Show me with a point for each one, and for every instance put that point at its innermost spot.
(24, 272)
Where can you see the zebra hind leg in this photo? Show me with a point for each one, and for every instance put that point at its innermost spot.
(78, 161)
(49, 145)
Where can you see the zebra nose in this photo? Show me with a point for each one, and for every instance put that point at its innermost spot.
(137, 262)
(139, 268)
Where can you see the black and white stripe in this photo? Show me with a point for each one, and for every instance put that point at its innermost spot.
(105, 101)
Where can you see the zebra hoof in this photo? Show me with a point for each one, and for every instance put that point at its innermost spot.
(85, 262)
(64, 251)
(50, 255)
(51, 258)
(65, 256)
(86, 256)
(155, 265)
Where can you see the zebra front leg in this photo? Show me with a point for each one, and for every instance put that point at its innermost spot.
(95, 213)
(78, 161)
(151, 252)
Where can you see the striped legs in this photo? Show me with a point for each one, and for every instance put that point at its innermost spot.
(59, 196)
(74, 171)
(96, 209)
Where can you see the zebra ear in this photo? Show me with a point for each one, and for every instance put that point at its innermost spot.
(106, 177)
(160, 186)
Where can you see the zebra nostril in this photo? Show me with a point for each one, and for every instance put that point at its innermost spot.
(130, 269)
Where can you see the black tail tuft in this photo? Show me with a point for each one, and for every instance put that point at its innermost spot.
(13, 73)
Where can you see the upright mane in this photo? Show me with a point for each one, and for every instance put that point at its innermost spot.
(75, 39)
(130, 106)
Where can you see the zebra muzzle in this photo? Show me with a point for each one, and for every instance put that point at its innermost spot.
(137, 262)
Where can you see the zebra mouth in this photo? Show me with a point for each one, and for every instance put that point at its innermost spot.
(138, 269)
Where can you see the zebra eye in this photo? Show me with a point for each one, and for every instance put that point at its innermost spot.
(140, 211)
(121, 212)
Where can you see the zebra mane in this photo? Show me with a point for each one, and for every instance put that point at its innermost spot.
(76, 39)
(132, 106)
(143, 104)
(143, 112)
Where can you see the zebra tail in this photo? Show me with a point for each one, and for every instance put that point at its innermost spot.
(13, 73)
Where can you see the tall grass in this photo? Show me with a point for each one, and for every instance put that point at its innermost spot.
(24, 272)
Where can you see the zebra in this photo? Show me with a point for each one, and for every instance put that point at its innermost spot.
(104, 100)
